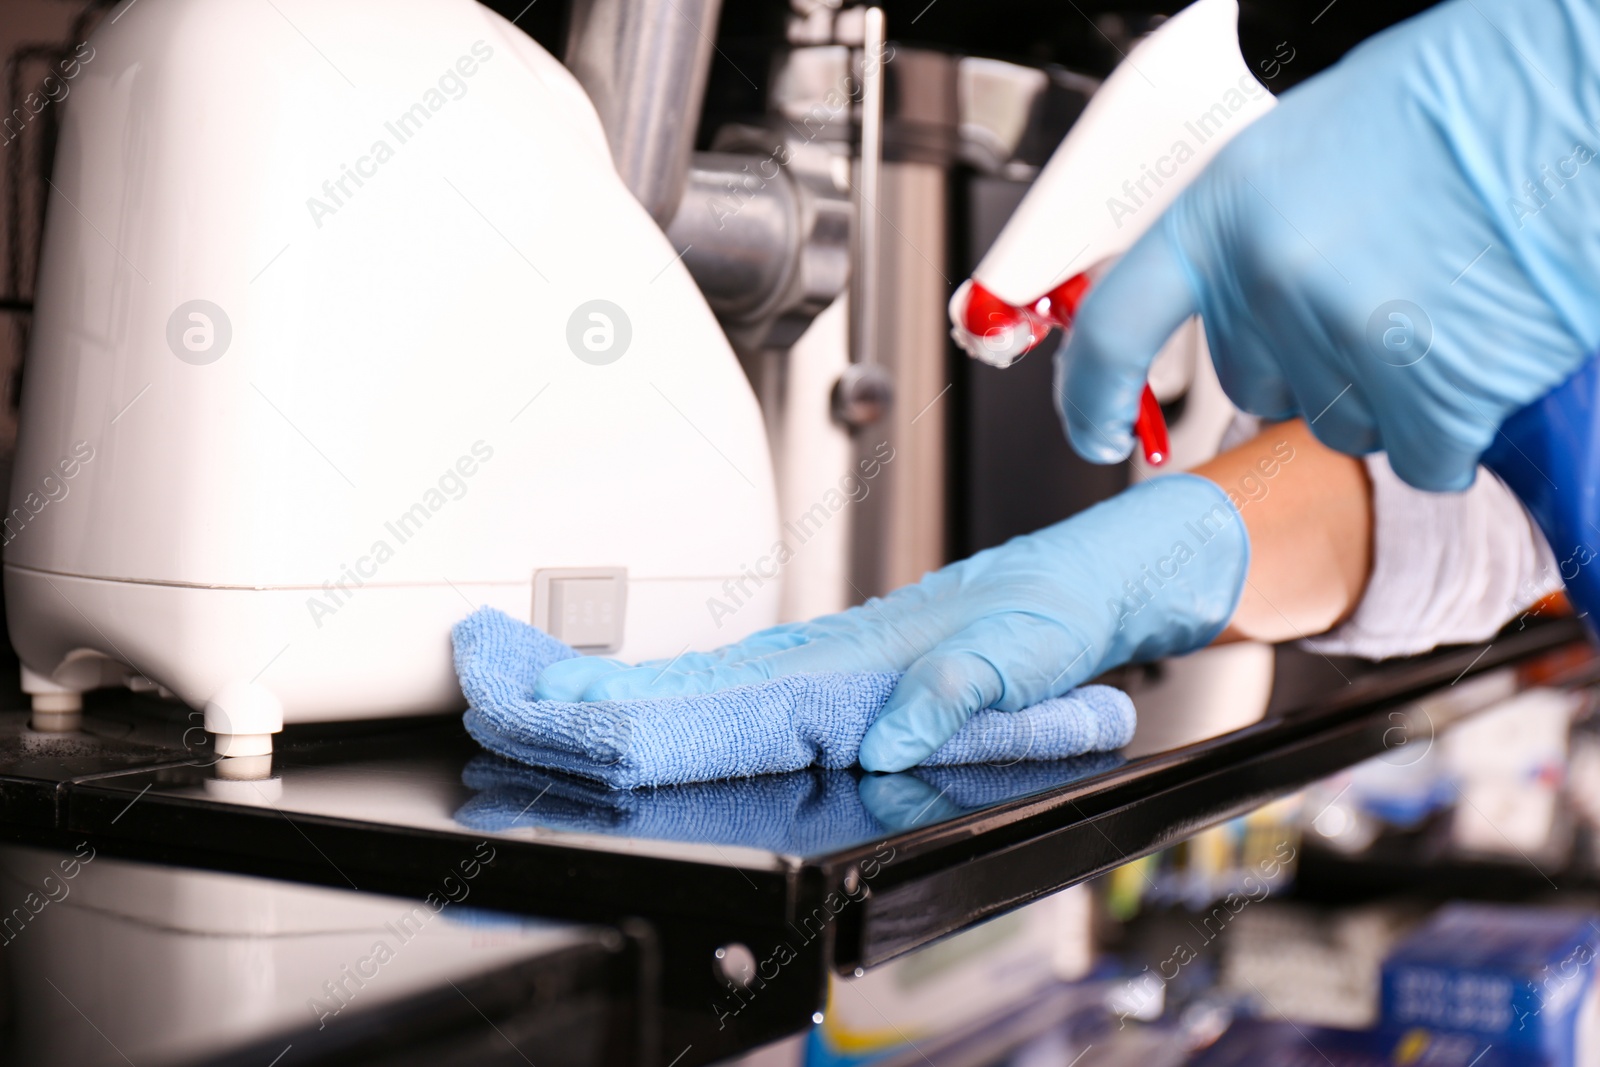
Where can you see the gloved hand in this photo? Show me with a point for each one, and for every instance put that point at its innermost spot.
(1153, 572)
(1404, 251)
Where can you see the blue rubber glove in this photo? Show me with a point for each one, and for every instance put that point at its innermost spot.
(1153, 572)
(1405, 251)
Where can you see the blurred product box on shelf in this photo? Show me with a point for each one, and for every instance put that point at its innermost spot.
(1509, 766)
(1251, 856)
(1257, 1043)
(1519, 977)
(1498, 775)
(1319, 967)
(965, 984)
(1475, 985)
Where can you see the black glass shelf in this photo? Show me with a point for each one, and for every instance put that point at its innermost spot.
(814, 871)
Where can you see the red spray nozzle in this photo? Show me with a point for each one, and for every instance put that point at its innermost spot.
(1151, 428)
(988, 317)
(1060, 304)
(993, 321)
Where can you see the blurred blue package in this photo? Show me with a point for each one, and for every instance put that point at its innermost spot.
(1519, 977)
(1257, 1042)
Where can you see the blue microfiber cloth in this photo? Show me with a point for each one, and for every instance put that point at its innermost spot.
(801, 813)
(780, 725)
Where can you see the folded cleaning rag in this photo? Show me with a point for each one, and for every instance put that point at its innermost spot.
(779, 725)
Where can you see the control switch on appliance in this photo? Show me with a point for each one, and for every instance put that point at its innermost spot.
(583, 606)
(583, 612)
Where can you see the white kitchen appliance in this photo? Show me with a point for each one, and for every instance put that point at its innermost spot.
(346, 325)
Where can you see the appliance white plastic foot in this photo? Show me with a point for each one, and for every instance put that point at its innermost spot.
(245, 780)
(241, 745)
(242, 717)
(56, 708)
(57, 713)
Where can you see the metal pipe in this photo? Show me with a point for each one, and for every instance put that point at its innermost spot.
(869, 188)
(740, 232)
(768, 244)
(865, 390)
(644, 64)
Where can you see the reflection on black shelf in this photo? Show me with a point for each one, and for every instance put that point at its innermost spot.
(109, 962)
(803, 813)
